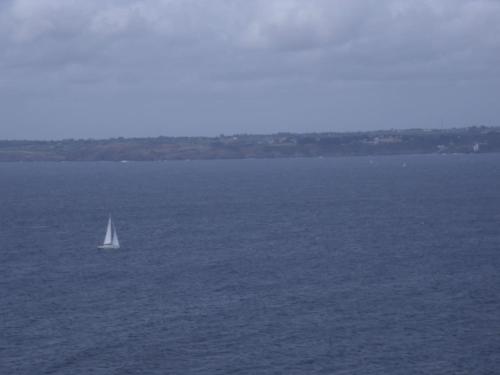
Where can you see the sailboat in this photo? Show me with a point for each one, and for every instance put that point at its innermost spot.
(111, 238)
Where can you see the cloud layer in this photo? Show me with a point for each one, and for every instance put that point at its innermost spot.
(230, 46)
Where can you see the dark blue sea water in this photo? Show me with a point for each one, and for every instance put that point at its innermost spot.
(303, 266)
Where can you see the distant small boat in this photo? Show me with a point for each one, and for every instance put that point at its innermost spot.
(111, 238)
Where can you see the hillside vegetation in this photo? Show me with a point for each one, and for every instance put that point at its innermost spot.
(281, 145)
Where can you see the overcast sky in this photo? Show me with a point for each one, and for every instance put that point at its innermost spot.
(105, 68)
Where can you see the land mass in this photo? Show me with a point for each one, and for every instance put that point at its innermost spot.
(280, 145)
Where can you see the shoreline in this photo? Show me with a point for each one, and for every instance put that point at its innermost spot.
(239, 147)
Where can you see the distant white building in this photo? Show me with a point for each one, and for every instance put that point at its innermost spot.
(475, 147)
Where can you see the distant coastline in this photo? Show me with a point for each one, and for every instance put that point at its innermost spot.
(476, 139)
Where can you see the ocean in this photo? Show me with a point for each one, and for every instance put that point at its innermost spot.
(362, 265)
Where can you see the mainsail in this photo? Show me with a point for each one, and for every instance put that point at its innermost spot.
(108, 239)
(115, 241)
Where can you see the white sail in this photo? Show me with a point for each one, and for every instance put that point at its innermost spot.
(115, 243)
(111, 238)
(108, 240)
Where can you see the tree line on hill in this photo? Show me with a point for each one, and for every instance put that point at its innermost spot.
(280, 145)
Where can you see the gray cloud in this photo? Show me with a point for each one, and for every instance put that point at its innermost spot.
(248, 55)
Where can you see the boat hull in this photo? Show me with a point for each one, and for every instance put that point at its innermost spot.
(108, 247)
